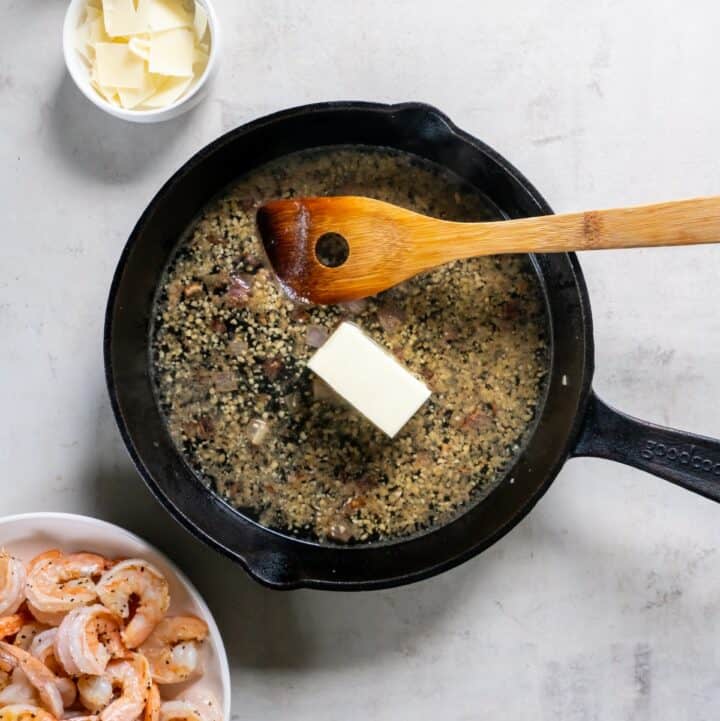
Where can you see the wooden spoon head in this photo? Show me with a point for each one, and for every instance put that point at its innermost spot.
(298, 235)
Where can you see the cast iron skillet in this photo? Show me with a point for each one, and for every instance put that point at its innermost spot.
(572, 420)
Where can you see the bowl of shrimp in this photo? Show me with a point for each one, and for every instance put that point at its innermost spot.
(98, 625)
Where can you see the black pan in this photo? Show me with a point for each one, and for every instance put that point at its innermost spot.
(571, 422)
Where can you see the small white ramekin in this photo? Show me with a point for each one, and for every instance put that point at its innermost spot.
(28, 534)
(81, 76)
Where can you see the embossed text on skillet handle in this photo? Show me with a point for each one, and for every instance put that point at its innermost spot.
(685, 459)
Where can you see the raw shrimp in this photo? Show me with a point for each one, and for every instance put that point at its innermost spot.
(152, 705)
(172, 649)
(87, 639)
(11, 625)
(57, 583)
(24, 712)
(12, 583)
(43, 648)
(19, 690)
(139, 579)
(37, 673)
(131, 677)
(194, 706)
(27, 634)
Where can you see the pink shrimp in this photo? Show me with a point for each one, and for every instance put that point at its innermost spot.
(152, 706)
(131, 677)
(43, 649)
(12, 583)
(139, 579)
(18, 690)
(45, 618)
(171, 648)
(27, 634)
(193, 706)
(87, 639)
(96, 692)
(37, 673)
(57, 583)
(11, 625)
(24, 712)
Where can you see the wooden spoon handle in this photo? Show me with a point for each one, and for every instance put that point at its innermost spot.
(684, 222)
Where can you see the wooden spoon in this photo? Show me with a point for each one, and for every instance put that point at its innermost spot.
(335, 249)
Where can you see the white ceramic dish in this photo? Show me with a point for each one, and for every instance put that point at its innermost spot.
(80, 73)
(28, 534)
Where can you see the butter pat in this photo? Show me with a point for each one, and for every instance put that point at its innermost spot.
(369, 378)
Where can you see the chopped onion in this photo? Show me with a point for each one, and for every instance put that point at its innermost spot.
(300, 314)
(225, 381)
(272, 367)
(174, 293)
(218, 326)
(201, 429)
(316, 335)
(390, 317)
(341, 530)
(239, 289)
(353, 504)
(192, 289)
(258, 431)
(323, 392)
(237, 346)
(214, 239)
(355, 306)
(293, 402)
(476, 420)
(215, 281)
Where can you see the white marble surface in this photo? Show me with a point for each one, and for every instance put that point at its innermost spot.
(604, 603)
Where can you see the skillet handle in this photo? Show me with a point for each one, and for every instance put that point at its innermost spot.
(687, 460)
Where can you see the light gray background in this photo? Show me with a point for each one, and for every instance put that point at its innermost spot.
(604, 603)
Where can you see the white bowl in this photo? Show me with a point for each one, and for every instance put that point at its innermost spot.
(28, 534)
(80, 73)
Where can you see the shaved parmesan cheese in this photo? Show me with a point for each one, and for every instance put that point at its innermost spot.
(131, 98)
(110, 94)
(143, 54)
(168, 92)
(171, 53)
(121, 18)
(140, 46)
(167, 15)
(97, 34)
(200, 60)
(118, 67)
(82, 41)
(200, 22)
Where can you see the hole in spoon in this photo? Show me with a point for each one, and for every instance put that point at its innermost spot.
(332, 250)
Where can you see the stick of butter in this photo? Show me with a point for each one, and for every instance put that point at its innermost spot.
(369, 378)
